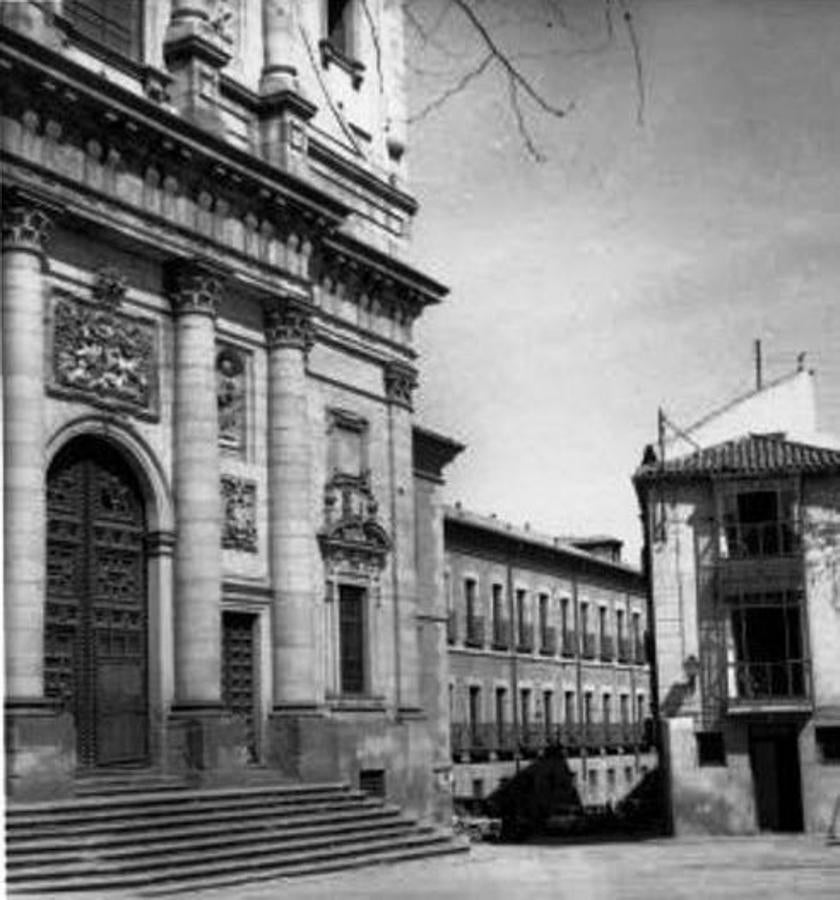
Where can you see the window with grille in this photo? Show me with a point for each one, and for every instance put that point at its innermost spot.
(351, 601)
(112, 24)
(759, 523)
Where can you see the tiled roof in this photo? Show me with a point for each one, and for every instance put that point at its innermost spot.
(755, 454)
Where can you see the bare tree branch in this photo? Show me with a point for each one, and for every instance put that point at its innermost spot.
(374, 32)
(637, 60)
(521, 125)
(459, 86)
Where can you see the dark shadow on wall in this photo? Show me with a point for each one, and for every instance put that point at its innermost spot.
(541, 802)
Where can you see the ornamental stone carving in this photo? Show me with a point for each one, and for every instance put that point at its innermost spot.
(101, 355)
(230, 396)
(353, 540)
(195, 287)
(400, 381)
(239, 500)
(27, 223)
(288, 323)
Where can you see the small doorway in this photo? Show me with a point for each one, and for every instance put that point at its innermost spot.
(239, 692)
(774, 758)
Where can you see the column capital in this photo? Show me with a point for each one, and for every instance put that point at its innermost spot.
(289, 323)
(195, 286)
(28, 221)
(400, 380)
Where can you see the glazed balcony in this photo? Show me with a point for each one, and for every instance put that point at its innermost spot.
(525, 639)
(776, 685)
(760, 540)
(475, 631)
(589, 648)
(501, 634)
(548, 641)
(607, 648)
(570, 643)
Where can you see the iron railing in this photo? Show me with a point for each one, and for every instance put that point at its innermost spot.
(475, 631)
(525, 639)
(607, 648)
(501, 634)
(624, 654)
(771, 681)
(747, 540)
(548, 641)
(589, 646)
(570, 643)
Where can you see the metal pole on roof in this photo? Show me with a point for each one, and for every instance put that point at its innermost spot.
(757, 364)
(660, 433)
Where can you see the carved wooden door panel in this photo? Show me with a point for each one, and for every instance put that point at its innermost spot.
(238, 673)
(95, 632)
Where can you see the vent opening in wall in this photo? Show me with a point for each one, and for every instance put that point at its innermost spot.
(711, 749)
(372, 781)
(828, 741)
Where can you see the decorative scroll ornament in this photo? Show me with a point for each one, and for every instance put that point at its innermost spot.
(288, 323)
(110, 287)
(98, 353)
(352, 539)
(230, 397)
(400, 381)
(239, 499)
(195, 287)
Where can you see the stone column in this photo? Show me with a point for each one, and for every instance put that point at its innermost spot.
(40, 742)
(195, 295)
(291, 533)
(26, 228)
(400, 380)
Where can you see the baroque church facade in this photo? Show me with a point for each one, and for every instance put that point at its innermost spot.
(223, 537)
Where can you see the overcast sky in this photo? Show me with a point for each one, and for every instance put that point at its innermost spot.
(635, 267)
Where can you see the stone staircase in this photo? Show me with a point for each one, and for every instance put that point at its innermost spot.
(156, 836)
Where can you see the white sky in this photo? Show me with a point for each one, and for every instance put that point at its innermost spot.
(635, 267)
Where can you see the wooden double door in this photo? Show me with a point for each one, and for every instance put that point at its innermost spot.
(95, 636)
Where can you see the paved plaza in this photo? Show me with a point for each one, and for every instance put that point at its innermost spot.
(764, 867)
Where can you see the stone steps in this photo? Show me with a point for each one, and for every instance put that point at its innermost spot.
(183, 839)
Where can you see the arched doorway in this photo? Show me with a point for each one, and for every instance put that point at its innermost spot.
(95, 640)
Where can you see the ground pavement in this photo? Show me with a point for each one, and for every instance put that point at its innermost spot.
(764, 868)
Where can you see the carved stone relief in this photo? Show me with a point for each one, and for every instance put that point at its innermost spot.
(100, 354)
(239, 500)
(231, 397)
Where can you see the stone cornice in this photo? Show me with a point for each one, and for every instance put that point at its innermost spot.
(45, 74)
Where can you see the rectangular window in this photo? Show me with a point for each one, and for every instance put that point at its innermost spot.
(340, 25)
(474, 710)
(711, 750)
(587, 708)
(624, 708)
(500, 714)
(478, 788)
(619, 624)
(564, 614)
(351, 602)
(584, 618)
(470, 599)
(759, 523)
(593, 780)
(828, 742)
(543, 608)
(525, 708)
(569, 707)
(628, 774)
(606, 709)
(521, 618)
(498, 603)
(767, 636)
(611, 780)
(548, 712)
(602, 623)
(112, 24)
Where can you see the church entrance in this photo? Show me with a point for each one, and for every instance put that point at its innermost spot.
(95, 637)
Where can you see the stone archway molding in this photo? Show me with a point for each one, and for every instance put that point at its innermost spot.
(139, 456)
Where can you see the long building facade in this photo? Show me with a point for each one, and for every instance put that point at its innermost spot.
(547, 648)
(741, 539)
(211, 534)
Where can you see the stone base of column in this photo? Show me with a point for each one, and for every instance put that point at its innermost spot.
(206, 743)
(302, 744)
(40, 749)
